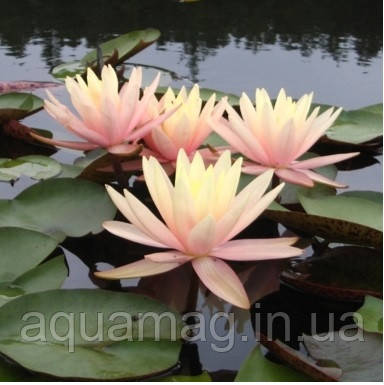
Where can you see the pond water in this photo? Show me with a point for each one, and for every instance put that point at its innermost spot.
(333, 48)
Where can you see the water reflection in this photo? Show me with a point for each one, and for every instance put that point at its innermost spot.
(334, 27)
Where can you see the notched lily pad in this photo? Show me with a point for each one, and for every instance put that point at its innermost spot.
(358, 126)
(59, 207)
(34, 166)
(21, 267)
(132, 340)
(16, 106)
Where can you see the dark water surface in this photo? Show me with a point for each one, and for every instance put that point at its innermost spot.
(333, 48)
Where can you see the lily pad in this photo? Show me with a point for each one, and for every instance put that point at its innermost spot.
(370, 316)
(358, 360)
(321, 370)
(358, 126)
(16, 106)
(22, 250)
(361, 208)
(331, 229)
(129, 342)
(125, 46)
(34, 166)
(344, 273)
(21, 270)
(59, 207)
(258, 368)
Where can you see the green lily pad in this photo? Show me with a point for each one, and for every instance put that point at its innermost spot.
(359, 360)
(59, 207)
(126, 46)
(18, 105)
(130, 340)
(21, 267)
(370, 316)
(34, 166)
(22, 250)
(361, 208)
(70, 69)
(257, 368)
(46, 276)
(358, 126)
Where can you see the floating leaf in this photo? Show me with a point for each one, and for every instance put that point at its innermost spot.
(47, 276)
(34, 166)
(21, 250)
(257, 368)
(333, 230)
(70, 69)
(359, 360)
(21, 271)
(344, 273)
(358, 126)
(370, 316)
(59, 207)
(16, 106)
(131, 342)
(361, 208)
(126, 46)
(317, 370)
(25, 85)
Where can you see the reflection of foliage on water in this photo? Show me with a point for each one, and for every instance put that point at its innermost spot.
(333, 27)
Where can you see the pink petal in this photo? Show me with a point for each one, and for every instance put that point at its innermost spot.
(257, 249)
(124, 149)
(253, 209)
(253, 168)
(293, 176)
(140, 132)
(162, 144)
(142, 105)
(168, 256)
(222, 128)
(321, 161)
(141, 268)
(322, 179)
(132, 233)
(218, 277)
(83, 146)
(141, 217)
(202, 236)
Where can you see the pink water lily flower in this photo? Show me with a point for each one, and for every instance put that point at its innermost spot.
(274, 137)
(107, 118)
(202, 213)
(187, 128)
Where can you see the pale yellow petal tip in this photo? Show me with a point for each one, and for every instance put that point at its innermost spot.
(108, 274)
